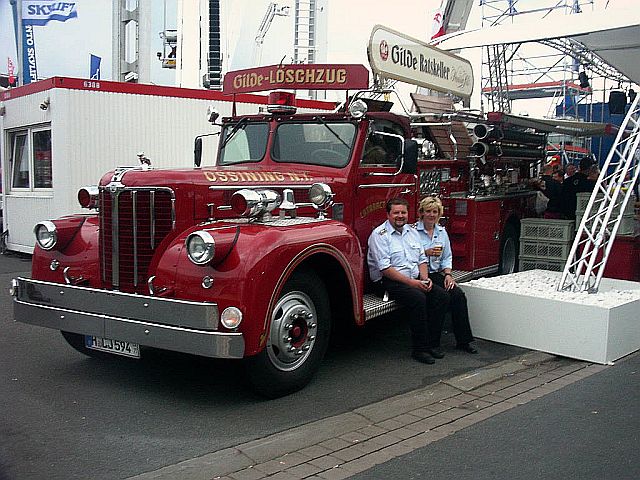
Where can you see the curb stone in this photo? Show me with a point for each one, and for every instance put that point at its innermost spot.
(282, 450)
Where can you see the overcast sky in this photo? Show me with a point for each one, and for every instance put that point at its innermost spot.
(63, 48)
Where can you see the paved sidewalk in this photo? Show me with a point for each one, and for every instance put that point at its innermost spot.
(344, 445)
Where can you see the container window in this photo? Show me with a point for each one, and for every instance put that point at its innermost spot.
(30, 160)
(20, 161)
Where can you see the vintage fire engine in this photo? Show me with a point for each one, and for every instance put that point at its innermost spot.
(255, 257)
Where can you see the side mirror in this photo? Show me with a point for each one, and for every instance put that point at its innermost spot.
(197, 152)
(410, 164)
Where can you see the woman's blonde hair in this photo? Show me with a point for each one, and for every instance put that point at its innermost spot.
(429, 202)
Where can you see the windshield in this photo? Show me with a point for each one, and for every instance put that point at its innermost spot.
(322, 143)
(243, 142)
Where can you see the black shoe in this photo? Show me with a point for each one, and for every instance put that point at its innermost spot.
(423, 357)
(436, 352)
(465, 347)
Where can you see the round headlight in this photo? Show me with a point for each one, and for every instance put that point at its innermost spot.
(231, 317)
(201, 247)
(358, 108)
(320, 195)
(46, 235)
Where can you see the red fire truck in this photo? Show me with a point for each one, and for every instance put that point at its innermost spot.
(253, 258)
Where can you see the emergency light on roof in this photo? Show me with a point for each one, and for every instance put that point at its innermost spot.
(282, 102)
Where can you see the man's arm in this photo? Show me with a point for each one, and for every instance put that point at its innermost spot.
(393, 274)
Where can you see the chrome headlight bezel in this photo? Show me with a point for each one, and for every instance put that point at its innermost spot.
(231, 318)
(321, 195)
(358, 108)
(201, 247)
(46, 234)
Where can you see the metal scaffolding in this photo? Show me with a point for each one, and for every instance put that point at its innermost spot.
(553, 69)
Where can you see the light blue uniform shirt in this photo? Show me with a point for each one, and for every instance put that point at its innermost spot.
(390, 248)
(436, 264)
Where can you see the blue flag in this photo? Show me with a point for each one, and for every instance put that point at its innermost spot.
(94, 68)
(41, 12)
(29, 67)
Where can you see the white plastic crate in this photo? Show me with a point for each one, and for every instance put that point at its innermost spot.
(525, 263)
(583, 200)
(547, 229)
(629, 225)
(544, 250)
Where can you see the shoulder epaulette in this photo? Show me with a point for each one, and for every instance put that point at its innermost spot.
(382, 232)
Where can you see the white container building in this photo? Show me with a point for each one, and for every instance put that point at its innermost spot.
(61, 134)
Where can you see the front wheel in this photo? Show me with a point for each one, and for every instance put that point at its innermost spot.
(298, 337)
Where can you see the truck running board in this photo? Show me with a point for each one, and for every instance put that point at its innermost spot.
(375, 306)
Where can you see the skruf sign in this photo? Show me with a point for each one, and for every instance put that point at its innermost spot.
(397, 56)
(312, 76)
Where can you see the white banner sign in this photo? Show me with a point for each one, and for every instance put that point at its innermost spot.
(40, 12)
(397, 56)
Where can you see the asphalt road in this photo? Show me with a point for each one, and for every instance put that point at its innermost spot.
(66, 416)
(589, 430)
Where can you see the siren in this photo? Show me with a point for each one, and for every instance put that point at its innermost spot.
(281, 102)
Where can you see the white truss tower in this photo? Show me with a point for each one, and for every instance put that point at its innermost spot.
(604, 213)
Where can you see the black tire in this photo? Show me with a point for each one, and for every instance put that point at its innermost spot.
(298, 337)
(509, 250)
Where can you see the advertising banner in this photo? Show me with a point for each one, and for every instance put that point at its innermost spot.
(396, 56)
(41, 12)
(29, 67)
(11, 71)
(312, 76)
(94, 67)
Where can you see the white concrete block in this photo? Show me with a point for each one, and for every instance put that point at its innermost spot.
(524, 309)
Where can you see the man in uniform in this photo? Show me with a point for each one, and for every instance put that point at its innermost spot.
(397, 260)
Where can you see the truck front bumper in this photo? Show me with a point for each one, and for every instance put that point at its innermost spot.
(170, 324)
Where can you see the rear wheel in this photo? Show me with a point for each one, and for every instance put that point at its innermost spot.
(297, 341)
(509, 249)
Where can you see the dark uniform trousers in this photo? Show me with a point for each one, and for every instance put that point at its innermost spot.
(459, 310)
(426, 311)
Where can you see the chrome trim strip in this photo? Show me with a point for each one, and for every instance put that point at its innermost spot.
(115, 241)
(134, 211)
(152, 218)
(387, 185)
(103, 253)
(143, 308)
(260, 185)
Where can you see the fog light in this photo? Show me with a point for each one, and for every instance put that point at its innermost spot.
(231, 317)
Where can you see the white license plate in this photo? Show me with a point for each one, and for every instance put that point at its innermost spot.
(118, 347)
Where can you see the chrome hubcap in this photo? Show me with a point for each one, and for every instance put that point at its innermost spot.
(293, 331)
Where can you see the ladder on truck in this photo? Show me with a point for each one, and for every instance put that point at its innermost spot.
(604, 212)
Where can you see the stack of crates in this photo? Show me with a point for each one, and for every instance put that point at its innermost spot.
(629, 225)
(545, 243)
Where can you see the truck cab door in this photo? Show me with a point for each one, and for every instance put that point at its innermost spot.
(387, 170)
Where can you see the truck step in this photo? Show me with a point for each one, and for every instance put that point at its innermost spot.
(375, 306)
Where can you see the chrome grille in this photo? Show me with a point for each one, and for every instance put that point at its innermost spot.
(133, 221)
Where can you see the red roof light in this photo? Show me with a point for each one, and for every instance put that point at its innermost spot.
(281, 102)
